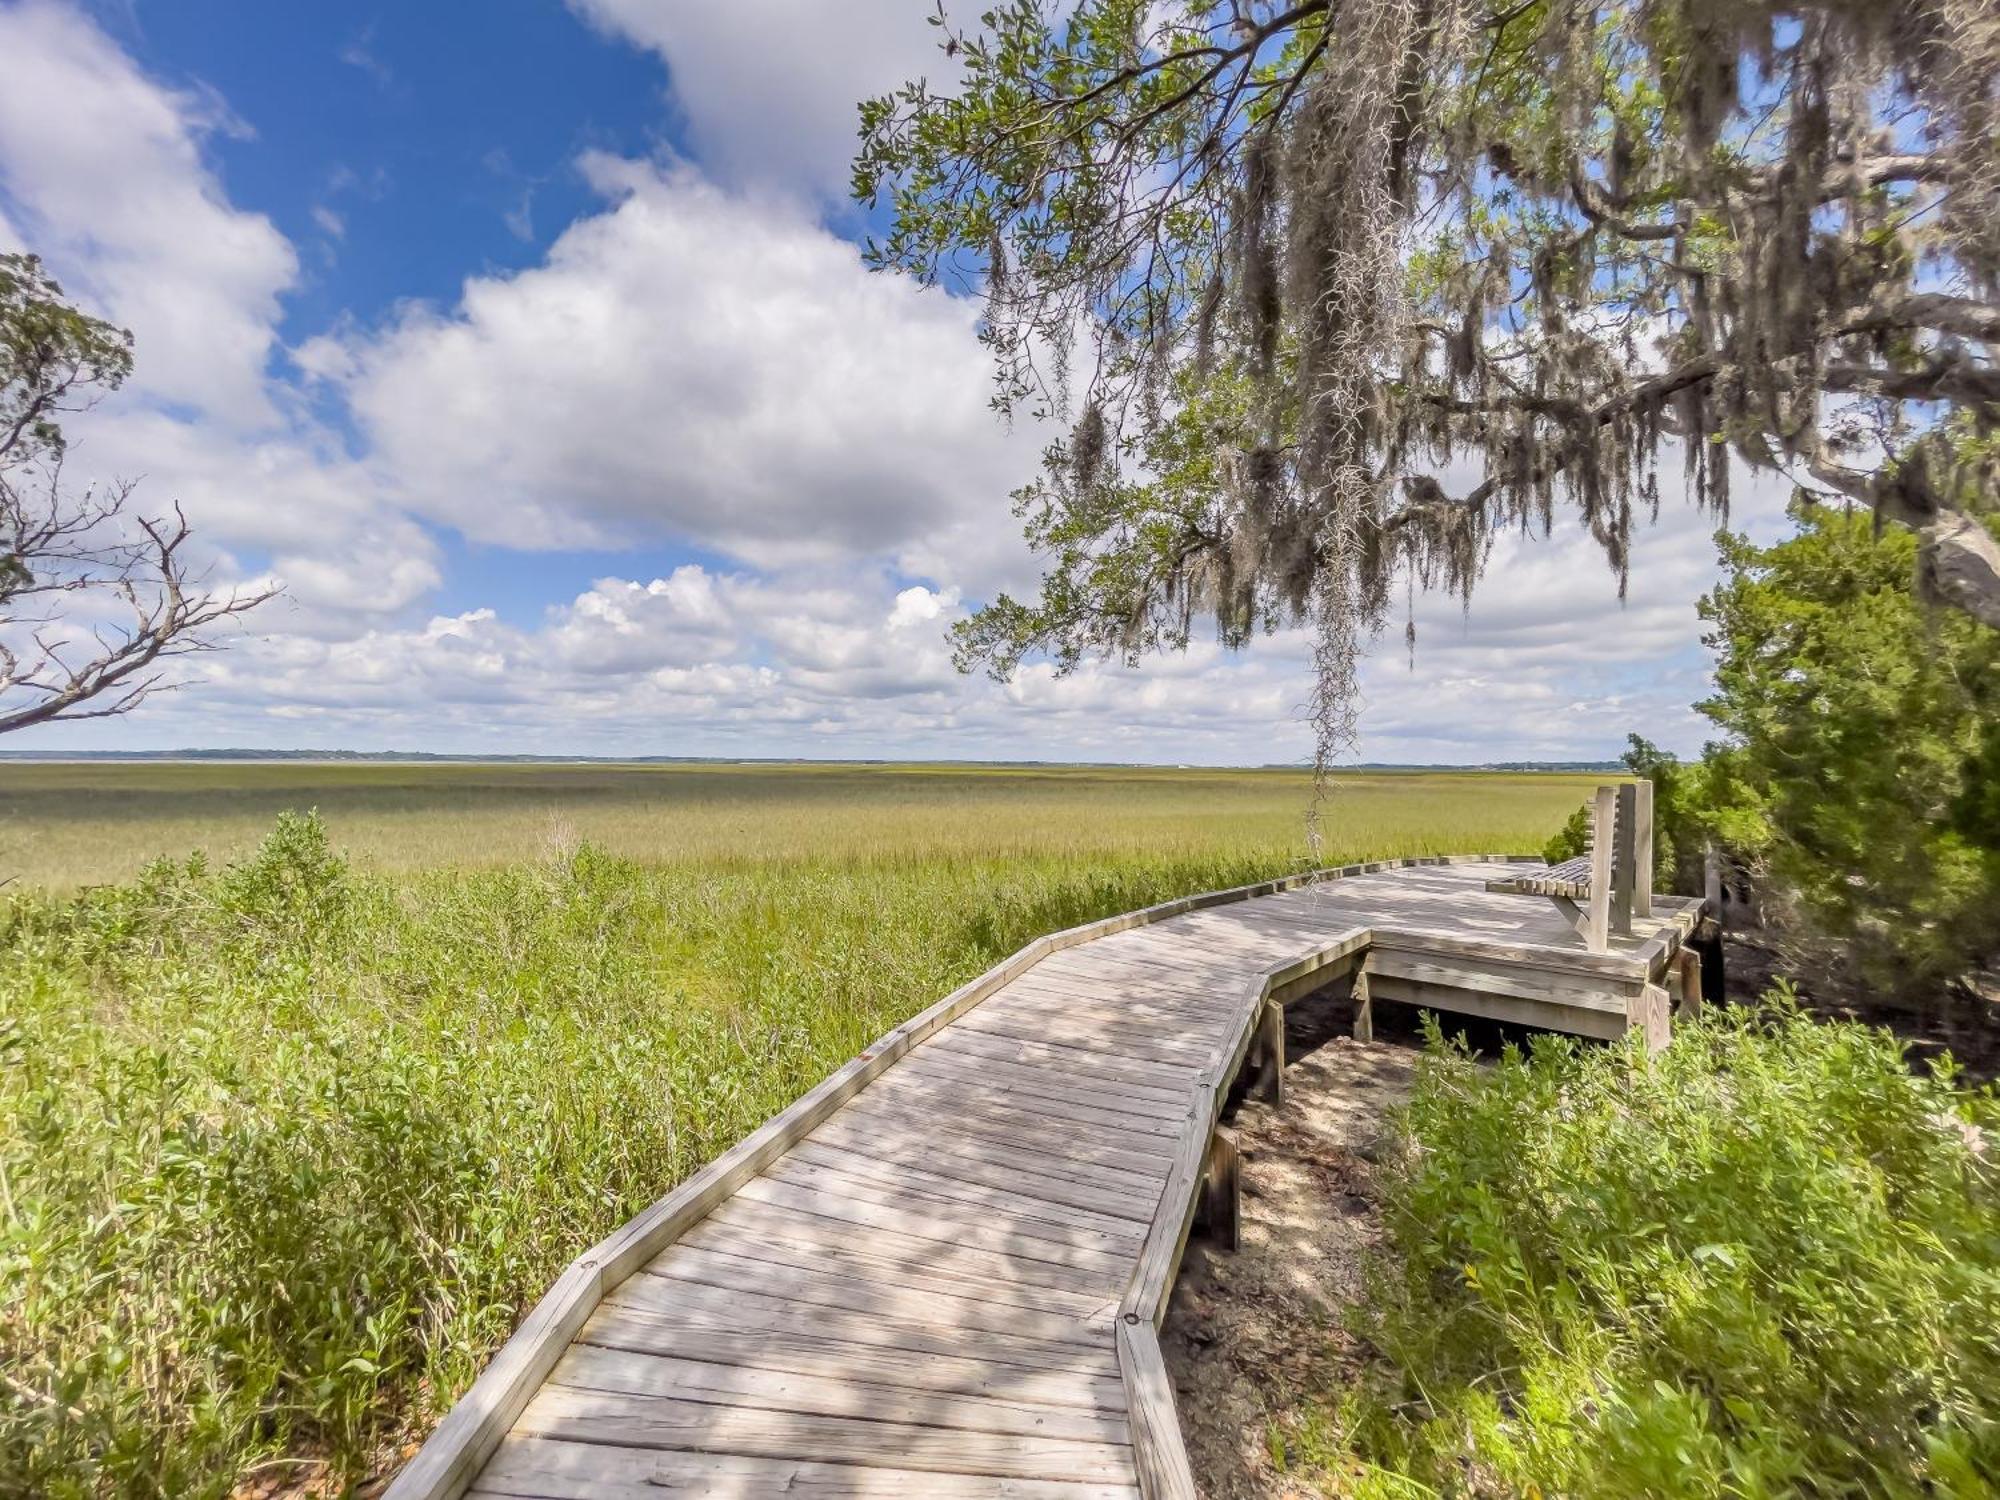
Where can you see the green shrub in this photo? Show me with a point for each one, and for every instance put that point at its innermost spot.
(1571, 840)
(1765, 1262)
(1863, 749)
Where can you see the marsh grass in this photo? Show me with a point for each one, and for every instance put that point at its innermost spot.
(1763, 1263)
(68, 825)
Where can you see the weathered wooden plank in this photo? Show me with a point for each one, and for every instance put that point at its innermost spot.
(1652, 1016)
(1189, 983)
(1578, 1020)
(1135, 1013)
(1006, 1078)
(614, 1326)
(1642, 848)
(1557, 952)
(1100, 1036)
(938, 1093)
(960, 1041)
(1194, 954)
(939, 1251)
(1624, 859)
(653, 1422)
(593, 1367)
(697, 1305)
(1016, 1031)
(1604, 819)
(1521, 981)
(970, 1309)
(1690, 983)
(893, 1137)
(528, 1468)
(1159, 1257)
(1183, 983)
(1069, 1073)
(862, 1261)
(886, 1210)
(1112, 1220)
(1221, 1190)
(1073, 1077)
(1058, 1228)
(1157, 1450)
(1039, 1133)
(1272, 1057)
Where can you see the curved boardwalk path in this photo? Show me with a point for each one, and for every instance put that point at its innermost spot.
(939, 1273)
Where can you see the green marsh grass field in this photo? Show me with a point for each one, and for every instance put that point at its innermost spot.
(65, 825)
(299, 1113)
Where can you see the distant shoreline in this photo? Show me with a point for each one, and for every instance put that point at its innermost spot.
(427, 757)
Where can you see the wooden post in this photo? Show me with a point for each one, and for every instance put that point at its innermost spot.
(1711, 880)
(1652, 1017)
(1690, 975)
(1603, 816)
(1364, 1008)
(1158, 1451)
(1272, 1024)
(1642, 849)
(1624, 858)
(1221, 1191)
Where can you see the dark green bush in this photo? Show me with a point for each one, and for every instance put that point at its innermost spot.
(1765, 1262)
(1572, 839)
(1862, 753)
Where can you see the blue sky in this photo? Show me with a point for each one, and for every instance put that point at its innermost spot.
(528, 346)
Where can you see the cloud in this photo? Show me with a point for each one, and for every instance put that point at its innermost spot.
(692, 364)
(852, 662)
(101, 173)
(770, 89)
(359, 53)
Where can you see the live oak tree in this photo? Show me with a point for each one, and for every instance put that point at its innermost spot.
(1283, 269)
(94, 597)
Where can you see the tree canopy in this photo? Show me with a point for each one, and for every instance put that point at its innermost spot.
(1286, 270)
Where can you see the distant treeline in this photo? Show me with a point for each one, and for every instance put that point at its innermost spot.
(418, 756)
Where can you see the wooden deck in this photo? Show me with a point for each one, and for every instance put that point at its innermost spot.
(940, 1273)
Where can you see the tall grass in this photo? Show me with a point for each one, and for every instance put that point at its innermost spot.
(1763, 1263)
(71, 825)
(285, 1149)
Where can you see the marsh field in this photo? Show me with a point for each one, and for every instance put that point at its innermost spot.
(315, 1074)
(64, 825)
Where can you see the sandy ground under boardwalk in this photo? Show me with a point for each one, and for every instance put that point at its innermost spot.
(1254, 1335)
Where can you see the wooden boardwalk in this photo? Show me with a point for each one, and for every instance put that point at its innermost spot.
(940, 1273)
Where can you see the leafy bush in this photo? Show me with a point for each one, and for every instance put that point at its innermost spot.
(1571, 840)
(1864, 749)
(1765, 1262)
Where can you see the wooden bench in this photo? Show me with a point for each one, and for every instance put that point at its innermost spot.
(1600, 891)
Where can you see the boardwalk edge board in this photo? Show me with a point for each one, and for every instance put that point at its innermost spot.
(447, 1465)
